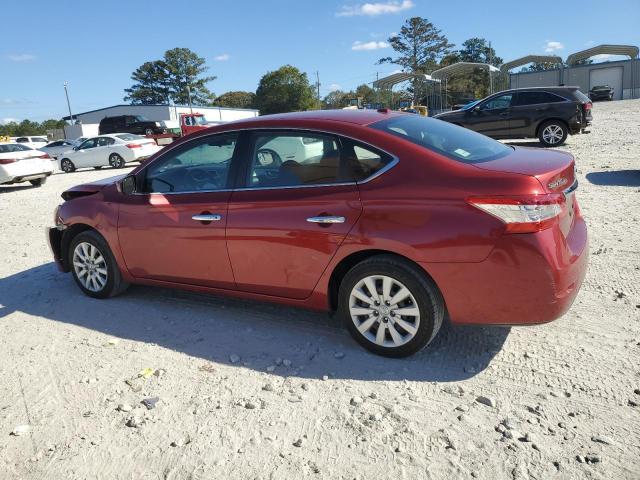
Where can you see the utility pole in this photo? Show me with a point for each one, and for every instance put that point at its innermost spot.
(66, 93)
(189, 95)
(318, 89)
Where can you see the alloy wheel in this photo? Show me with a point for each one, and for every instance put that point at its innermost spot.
(116, 161)
(552, 134)
(384, 311)
(90, 266)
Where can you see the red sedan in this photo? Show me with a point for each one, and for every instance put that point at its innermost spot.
(391, 219)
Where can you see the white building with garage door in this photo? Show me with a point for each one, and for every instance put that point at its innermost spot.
(86, 123)
(622, 75)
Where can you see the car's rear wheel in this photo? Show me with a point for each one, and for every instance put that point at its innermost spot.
(93, 266)
(67, 165)
(116, 161)
(553, 133)
(148, 131)
(38, 182)
(390, 306)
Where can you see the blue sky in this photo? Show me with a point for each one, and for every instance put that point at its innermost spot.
(96, 45)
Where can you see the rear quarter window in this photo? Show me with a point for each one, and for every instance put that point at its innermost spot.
(456, 143)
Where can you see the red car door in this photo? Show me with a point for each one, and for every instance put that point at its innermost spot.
(173, 227)
(297, 206)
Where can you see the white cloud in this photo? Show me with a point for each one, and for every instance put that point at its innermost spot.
(4, 121)
(374, 9)
(553, 46)
(222, 58)
(358, 45)
(21, 57)
(334, 86)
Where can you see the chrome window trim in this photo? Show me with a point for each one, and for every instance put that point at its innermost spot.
(394, 161)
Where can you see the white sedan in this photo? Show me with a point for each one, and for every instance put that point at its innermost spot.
(19, 163)
(54, 149)
(113, 150)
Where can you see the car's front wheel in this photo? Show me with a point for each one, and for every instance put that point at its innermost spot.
(93, 266)
(67, 166)
(390, 306)
(552, 133)
(116, 161)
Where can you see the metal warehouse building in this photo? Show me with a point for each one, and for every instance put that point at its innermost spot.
(622, 75)
(86, 123)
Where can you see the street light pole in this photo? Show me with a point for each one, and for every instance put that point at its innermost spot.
(66, 93)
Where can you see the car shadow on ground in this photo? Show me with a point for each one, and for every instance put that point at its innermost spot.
(14, 188)
(214, 328)
(615, 178)
(524, 143)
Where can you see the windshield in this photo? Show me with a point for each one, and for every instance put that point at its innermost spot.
(442, 137)
(470, 105)
(141, 118)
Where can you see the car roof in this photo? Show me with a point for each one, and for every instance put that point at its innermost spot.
(362, 117)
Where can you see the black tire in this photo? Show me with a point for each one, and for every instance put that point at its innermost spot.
(553, 133)
(114, 284)
(427, 297)
(67, 166)
(148, 131)
(38, 182)
(116, 161)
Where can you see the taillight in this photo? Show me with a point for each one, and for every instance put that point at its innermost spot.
(523, 214)
(46, 155)
(134, 145)
(7, 161)
(587, 106)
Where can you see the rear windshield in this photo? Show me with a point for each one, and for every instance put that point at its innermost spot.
(129, 136)
(581, 96)
(442, 137)
(13, 147)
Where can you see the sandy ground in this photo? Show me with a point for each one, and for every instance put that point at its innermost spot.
(250, 390)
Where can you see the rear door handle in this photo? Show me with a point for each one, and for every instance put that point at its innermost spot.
(207, 217)
(326, 219)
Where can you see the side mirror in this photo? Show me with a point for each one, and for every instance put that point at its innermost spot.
(128, 185)
(476, 109)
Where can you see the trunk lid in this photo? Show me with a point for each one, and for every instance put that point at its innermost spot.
(554, 169)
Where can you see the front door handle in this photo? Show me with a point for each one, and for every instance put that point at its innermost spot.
(326, 219)
(207, 217)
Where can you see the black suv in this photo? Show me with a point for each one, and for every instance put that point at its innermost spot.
(546, 113)
(130, 124)
(601, 92)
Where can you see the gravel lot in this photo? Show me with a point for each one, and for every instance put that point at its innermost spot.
(249, 390)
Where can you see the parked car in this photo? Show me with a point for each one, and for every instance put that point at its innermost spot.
(57, 147)
(546, 113)
(33, 142)
(397, 220)
(20, 163)
(130, 124)
(601, 92)
(107, 150)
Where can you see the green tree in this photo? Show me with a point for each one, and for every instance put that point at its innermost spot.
(285, 90)
(28, 127)
(334, 99)
(152, 84)
(184, 71)
(236, 99)
(419, 47)
(367, 93)
(179, 71)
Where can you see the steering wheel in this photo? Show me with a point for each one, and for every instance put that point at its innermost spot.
(262, 157)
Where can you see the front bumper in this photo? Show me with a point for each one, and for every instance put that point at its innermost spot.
(54, 239)
(527, 279)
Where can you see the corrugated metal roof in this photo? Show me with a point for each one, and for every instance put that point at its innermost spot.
(395, 78)
(629, 50)
(461, 67)
(505, 67)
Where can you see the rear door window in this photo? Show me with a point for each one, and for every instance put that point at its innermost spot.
(283, 159)
(456, 143)
(364, 161)
(536, 98)
(105, 141)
